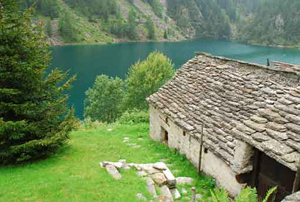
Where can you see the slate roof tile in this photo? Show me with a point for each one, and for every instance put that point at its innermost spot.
(236, 100)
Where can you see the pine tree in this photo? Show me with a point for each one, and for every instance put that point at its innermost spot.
(34, 115)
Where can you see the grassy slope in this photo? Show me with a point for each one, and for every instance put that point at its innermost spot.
(75, 174)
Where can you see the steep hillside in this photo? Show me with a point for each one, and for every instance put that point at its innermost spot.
(268, 22)
(272, 22)
(105, 21)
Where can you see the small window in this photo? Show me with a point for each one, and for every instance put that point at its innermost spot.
(205, 150)
(184, 133)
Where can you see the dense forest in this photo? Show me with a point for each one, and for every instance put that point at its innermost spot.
(268, 22)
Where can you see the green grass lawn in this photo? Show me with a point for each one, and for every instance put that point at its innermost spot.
(74, 173)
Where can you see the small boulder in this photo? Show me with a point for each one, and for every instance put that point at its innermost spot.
(113, 171)
(141, 197)
(151, 187)
(171, 180)
(184, 191)
(184, 180)
(142, 173)
(175, 193)
(160, 166)
(166, 193)
(159, 178)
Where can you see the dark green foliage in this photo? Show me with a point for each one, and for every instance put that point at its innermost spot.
(151, 29)
(156, 7)
(34, 116)
(103, 100)
(49, 29)
(67, 28)
(48, 8)
(95, 8)
(134, 116)
(145, 78)
(209, 18)
(275, 22)
(165, 34)
(132, 25)
(247, 195)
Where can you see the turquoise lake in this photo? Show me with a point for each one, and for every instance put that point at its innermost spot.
(88, 61)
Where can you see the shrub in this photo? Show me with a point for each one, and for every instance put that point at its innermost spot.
(103, 100)
(134, 116)
(145, 78)
(247, 195)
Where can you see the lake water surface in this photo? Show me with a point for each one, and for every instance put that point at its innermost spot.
(88, 61)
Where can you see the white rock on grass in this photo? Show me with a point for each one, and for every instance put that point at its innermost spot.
(151, 187)
(198, 196)
(113, 171)
(171, 180)
(165, 193)
(159, 179)
(141, 197)
(184, 191)
(153, 170)
(175, 193)
(142, 173)
(160, 166)
(184, 180)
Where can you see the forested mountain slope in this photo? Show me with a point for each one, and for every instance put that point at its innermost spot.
(269, 22)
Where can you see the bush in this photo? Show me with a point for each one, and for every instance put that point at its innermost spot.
(145, 78)
(134, 116)
(103, 100)
(247, 195)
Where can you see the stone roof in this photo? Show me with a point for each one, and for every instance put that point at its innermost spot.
(235, 100)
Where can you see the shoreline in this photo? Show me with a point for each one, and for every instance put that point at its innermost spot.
(120, 41)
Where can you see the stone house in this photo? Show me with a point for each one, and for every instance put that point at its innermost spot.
(251, 122)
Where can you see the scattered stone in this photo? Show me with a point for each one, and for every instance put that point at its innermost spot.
(142, 173)
(112, 170)
(165, 192)
(175, 193)
(151, 187)
(146, 166)
(109, 129)
(171, 180)
(126, 139)
(141, 197)
(184, 191)
(153, 171)
(159, 178)
(198, 196)
(184, 180)
(160, 166)
(164, 199)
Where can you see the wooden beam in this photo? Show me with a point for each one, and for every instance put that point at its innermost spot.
(296, 185)
(200, 152)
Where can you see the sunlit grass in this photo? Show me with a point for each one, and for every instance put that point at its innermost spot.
(74, 173)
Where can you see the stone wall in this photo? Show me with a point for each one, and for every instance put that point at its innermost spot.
(186, 144)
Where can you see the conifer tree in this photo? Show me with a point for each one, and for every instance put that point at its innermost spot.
(34, 116)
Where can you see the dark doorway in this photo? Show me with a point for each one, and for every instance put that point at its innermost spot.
(165, 135)
(268, 173)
